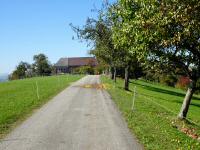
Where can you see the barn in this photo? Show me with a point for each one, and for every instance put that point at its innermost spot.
(66, 65)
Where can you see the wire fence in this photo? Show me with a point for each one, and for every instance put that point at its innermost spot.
(136, 95)
(35, 88)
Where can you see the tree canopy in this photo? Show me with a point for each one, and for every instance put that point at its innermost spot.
(21, 71)
(41, 65)
(160, 35)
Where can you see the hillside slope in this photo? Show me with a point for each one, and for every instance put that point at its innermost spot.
(153, 118)
(20, 97)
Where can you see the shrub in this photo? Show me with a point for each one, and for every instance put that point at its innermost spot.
(169, 80)
(183, 82)
(84, 70)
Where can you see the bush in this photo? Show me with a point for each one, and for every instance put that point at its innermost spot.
(169, 80)
(183, 82)
(99, 69)
(84, 70)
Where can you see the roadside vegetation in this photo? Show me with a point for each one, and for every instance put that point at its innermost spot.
(20, 97)
(156, 39)
(154, 116)
(40, 67)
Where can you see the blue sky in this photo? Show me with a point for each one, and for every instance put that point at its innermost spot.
(29, 27)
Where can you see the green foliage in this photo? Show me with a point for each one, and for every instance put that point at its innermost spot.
(41, 65)
(84, 70)
(169, 30)
(153, 119)
(90, 70)
(166, 31)
(19, 98)
(169, 80)
(99, 69)
(22, 71)
(198, 86)
(98, 34)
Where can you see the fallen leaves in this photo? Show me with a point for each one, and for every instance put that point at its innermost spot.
(97, 86)
(190, 132)
(182, 127)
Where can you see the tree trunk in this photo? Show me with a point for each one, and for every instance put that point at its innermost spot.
(111, 73)
(187, 100)
(126, 81)
(115, 74)
(107, 72)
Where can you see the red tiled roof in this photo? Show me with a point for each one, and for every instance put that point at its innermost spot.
(77, 61)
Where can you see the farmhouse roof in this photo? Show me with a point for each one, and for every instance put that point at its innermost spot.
(76, 61)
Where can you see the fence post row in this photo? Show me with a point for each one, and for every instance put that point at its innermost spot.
(37, 89)
(134, 96)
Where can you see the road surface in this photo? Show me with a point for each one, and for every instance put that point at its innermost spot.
(78, 118)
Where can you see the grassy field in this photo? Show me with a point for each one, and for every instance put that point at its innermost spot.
(153, 119)
(19, 98)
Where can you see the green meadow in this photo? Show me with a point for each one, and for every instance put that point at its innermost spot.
(153, 118)
(20, 97)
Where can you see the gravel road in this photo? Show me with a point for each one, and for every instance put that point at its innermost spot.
(78, 118)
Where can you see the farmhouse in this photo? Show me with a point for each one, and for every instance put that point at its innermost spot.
(66, 65)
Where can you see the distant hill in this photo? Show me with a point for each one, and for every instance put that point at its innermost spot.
(3, 77)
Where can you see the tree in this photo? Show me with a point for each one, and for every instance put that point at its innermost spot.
(41, 65)
(122, 40)
(98, 34)
(21, 71)
(169, 30)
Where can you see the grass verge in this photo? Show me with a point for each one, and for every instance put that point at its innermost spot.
(153, 119)
(20, 97)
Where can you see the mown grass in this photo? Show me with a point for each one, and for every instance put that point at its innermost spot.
(153, 119)
(19, 98)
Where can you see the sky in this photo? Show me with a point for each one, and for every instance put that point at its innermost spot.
(30, 27)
